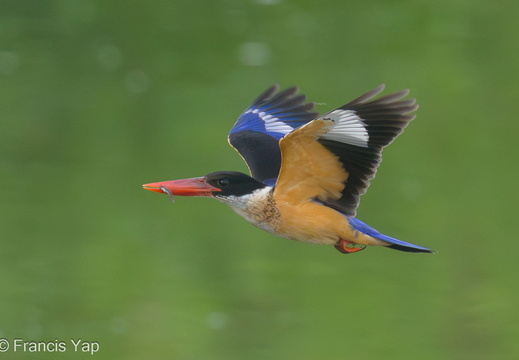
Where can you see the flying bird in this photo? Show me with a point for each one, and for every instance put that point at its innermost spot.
(307, 171)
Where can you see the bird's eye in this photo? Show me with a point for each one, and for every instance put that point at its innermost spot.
(223, 182)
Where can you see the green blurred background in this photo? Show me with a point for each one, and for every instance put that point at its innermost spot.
(98, 97)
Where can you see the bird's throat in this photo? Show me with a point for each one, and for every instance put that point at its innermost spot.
(258, 208)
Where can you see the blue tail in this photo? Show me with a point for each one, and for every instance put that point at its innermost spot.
(396, 244)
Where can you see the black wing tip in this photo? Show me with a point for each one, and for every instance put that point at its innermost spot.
(267, 94)
(367, 96)
(390, 101)
(391, 111)
(287, 99)
(274, 90)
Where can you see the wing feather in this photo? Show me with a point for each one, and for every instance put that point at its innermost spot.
(331, 158)
(308, 170)
(256, 133)
(377, 123)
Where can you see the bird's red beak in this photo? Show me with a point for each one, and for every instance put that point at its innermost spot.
(185, 187)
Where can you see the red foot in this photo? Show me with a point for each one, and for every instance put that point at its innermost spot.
(347, 247)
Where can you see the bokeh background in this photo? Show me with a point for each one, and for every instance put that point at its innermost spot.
(98, 97)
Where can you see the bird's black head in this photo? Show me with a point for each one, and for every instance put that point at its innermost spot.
(232, 183)
(219, 184)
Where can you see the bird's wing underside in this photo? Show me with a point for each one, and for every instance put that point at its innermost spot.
(256, 133)
(334, 157)
(308, 170)
(362, 129)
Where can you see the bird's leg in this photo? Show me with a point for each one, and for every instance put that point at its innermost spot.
(347, 247)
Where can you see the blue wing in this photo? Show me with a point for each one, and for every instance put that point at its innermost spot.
(396, 244)
(256, 133)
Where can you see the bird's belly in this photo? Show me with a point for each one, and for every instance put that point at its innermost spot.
(312, 223)
(308, 222)
(318, 224)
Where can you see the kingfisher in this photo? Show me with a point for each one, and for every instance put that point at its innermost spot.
(307, 171)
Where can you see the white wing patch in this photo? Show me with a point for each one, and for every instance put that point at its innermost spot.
(272, 123)
(348, 128)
